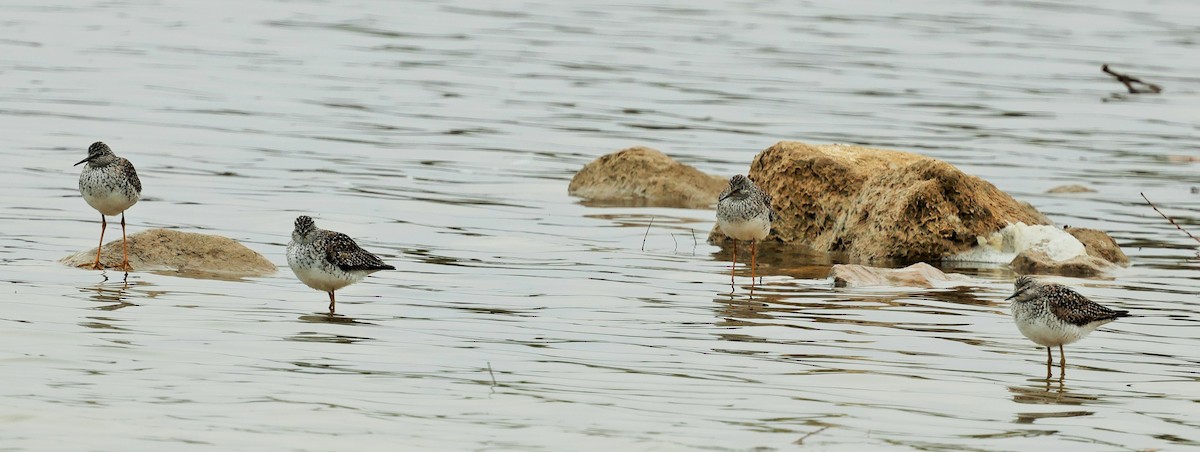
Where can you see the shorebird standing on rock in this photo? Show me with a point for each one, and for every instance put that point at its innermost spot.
(744, 213)
(110, 185)
(328, 260)
(1052, 314)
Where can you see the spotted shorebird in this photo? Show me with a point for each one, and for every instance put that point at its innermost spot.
(744, 213)
(1052, 314)
(328, 260)
(110, 185)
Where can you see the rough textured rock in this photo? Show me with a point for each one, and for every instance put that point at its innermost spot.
(875, 205)
(644, 175)
(1070, 189)
(1039, 263)
(191, 254)
(916, 275)
(1100, 245)
(1033, 212)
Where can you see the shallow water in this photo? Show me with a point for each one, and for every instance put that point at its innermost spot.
(442, 136)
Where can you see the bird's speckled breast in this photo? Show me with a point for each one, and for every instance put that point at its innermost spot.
(107, 189)
(310, 267)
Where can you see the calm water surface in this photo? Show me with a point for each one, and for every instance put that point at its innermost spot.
(442, 135)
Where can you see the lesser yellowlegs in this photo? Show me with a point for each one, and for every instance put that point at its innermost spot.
(110, 185)
(1054, 315)
(328, 260)
(744, 213)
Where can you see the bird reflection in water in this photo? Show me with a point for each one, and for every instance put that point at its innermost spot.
(1050, 391)
(324, 317)
(113, 294)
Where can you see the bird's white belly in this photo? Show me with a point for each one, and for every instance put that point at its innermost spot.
(753, 229)
(110, 202)
(1055, 333)
(325, 281)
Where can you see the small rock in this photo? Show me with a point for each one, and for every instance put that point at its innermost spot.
(1035, 262)
(1100, 245)
(916, 275)
(190, 254)
(646, 176)
(1074, 188)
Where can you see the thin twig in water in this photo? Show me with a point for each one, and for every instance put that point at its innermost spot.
(1129, 81)
(676, 242)
(694, 242)
(802, 438)
(1168, 218)
(647, 233)
(492, 374)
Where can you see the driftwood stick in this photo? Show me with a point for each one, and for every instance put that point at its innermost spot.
(1129, 81)
(647, 233)
(1168, 218)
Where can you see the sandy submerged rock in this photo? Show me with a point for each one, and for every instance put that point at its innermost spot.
(191, 254)
(1074, 188)
(645, 176)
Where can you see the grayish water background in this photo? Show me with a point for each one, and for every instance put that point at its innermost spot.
(442, 136)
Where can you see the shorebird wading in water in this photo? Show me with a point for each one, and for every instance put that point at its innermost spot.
(110, 185)
(1052, 314)
(328, 260)
(744, 213)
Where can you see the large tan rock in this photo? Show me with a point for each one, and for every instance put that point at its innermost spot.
(190, 254)
(916, 275)
(878, 205)
(647, 177)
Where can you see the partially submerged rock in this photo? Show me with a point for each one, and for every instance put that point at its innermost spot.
(644, 175)
(1101, 245)
(916, 275)
(1074, 188)
(1041, 249)
(878, 205)
(1037, 262)
(1004, 245)
(191, 254)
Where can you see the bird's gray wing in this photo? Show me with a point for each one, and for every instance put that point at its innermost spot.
(127, 168)
(342, 251)
(771, 210)
(1074, 308)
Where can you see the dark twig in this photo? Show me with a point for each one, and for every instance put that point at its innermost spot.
(694, 242)
(1129, 81)
(1173, 223)
(492, 374)
(647, 233)
(814, 432)
(676, 242)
